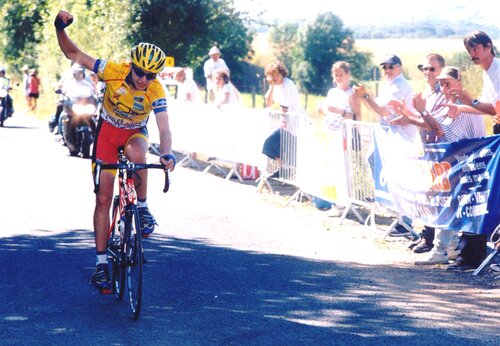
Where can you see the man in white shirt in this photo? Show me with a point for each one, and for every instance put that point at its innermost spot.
(78, 86)
(480, 49)
(395, 88)
(473, 247)
(211, 65)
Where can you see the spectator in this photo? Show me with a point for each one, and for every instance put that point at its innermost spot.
(340, 100)
(340, 103)
(34, 89)
(211, 65)
(26, 77)
(225, 92)
(426, 102)
(481, 52)
(466, 124)
(187, 90)
(395, 88)
(282, 92)
(473, 247)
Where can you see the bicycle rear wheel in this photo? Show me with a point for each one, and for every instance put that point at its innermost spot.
(117, 255)
(133, 253)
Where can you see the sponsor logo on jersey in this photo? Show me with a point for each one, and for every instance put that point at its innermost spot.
(138, 103)
(119, 92)
(159, 103)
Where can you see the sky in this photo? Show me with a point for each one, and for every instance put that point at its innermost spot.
(374, 12)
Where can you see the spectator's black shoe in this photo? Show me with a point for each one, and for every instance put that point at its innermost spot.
(416, 243)
(422, 247)
(399, 231)
(460, 266)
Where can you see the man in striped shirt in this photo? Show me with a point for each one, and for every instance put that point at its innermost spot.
(453, 121)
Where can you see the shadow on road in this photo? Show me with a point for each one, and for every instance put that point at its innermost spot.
(16, 127)
(199, 294)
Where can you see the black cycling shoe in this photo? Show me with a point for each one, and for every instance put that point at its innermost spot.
(100, 279)
(146, 221)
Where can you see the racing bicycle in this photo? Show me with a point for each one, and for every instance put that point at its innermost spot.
(125, 249)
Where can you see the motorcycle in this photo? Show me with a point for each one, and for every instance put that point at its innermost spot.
(6, 108)
(77, 124)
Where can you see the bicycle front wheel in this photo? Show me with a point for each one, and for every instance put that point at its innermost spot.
(133, 253)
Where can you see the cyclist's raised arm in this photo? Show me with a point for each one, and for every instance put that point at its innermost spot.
(68, 47)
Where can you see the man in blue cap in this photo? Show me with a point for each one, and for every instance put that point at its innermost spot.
(396, 88)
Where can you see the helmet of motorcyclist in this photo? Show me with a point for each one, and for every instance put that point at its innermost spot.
(2, 69)
(148, 57)
(76, 69)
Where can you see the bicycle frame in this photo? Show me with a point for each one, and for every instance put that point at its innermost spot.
(127, 195)
(124, 248)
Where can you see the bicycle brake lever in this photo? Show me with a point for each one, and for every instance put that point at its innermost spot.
(167, 181)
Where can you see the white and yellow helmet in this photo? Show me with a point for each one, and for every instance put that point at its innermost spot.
(148, 57)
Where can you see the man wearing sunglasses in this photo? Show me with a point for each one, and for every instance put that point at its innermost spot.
(132, 92)
(455, 126)
(396, 88)
(426, 102)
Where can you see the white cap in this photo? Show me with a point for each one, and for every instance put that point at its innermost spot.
(213, 50)
(77, 68)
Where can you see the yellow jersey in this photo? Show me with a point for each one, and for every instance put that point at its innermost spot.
(123, 106)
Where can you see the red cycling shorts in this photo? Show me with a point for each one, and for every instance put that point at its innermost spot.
(109, 138)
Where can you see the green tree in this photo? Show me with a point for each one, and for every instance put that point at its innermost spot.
(20, 28)
(100, 29)
(186, 29)
(283, 39)
(324, 42)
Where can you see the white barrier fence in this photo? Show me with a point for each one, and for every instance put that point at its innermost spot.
(330, 164)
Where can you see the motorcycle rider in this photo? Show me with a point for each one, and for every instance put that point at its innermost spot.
(7, 104)
(54, 119)
(78, 86)
(79, 112)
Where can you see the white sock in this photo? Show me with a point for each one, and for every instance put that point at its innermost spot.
(142, 204)
(101, 259)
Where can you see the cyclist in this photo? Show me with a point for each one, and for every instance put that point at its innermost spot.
(132, 92)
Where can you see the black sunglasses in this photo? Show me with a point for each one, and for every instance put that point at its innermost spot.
(428, 68)
(385, 67)
(140, 73)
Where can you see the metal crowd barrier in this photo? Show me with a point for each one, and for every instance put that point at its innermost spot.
(285, 129)
(305, 156)
(358, 145)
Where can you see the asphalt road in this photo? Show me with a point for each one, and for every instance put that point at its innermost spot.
(227, 266)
